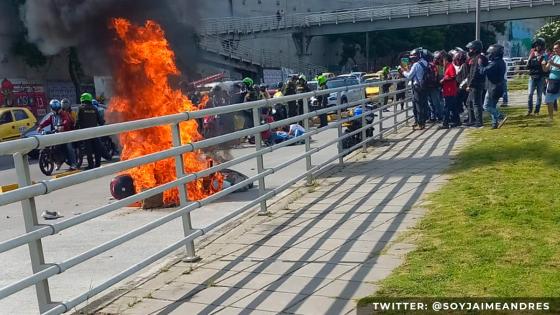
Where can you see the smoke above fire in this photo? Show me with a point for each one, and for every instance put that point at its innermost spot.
(55, 25)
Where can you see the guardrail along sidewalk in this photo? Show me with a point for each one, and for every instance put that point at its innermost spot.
(43, 270)
(321, 251)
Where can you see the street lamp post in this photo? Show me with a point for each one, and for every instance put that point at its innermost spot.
(477, 26)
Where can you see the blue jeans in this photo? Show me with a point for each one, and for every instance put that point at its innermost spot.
(70, 154)
(436, 106)
(490, 106)
(535, 84)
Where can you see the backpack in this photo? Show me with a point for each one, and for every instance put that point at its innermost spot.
(429, 79)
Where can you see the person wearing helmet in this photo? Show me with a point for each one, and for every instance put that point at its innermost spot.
(450, 91)
(536, 75)
(323, 100)
(290, 88)
(301, 87)
(476, 83)
(416, 75)
(385, 87)
(88, 117)
(60, 121)
(494, 72)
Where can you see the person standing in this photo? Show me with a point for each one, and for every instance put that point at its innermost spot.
(416, 75)
(290, 89)
(88, 117)
(494, 71)
(553, 88)
(301, 87)
(323, 100)
(476, 82)
(450, 91)
(536, 75)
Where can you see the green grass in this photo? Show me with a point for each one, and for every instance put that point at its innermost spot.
(519, 83)
(494, 229)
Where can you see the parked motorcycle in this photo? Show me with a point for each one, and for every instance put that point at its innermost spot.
(357, 124)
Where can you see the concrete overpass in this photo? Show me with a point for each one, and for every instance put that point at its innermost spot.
(402, 15)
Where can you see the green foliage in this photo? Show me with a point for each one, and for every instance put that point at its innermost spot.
(392, 42)
(550, 32)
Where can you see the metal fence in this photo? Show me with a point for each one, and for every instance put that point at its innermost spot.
(263, 57)
(28, 190)
(248, 25)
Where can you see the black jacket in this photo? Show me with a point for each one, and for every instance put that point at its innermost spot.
(88, 117)
(476, 78)
(494, 71)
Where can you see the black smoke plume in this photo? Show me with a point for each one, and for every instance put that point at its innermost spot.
(55, 25)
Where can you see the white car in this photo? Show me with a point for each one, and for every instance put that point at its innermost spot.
(349, 96)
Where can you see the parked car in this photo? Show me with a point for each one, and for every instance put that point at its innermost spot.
(370, 78)
(349, 96)
(359, 75)
(15, 122)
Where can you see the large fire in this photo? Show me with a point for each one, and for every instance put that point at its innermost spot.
(142, 91)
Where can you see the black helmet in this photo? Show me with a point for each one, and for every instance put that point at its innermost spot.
(280, 85)
(416, 54)
(538, 42)
(428, 55)
(475, 45)
(495, 52)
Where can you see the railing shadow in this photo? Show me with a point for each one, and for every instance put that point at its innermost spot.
(382, 180)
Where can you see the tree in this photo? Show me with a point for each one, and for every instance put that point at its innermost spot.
(391, 43)
(550, 32)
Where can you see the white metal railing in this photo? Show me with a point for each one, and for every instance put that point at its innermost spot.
(28, 190)
(262, 57)
(247, 25)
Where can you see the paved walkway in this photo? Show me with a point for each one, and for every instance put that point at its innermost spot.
(321, 252)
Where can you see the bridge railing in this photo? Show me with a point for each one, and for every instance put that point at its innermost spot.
(262, 57)
(246, 25)
(28, 190)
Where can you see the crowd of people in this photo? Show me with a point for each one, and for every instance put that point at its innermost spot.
(468, 82)
(248, 91)
(447, 84)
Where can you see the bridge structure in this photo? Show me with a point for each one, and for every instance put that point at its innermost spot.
(304, 27)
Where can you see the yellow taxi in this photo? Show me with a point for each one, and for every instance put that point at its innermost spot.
(369, 78)
(15, 121)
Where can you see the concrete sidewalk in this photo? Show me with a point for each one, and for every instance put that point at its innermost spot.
(321, 252)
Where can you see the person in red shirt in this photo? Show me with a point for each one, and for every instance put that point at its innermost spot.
(450, 90)
(60, 120)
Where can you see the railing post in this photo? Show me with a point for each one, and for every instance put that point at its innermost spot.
(260, 160)
(364, 122)
(381, 123)
(395, 111)
(31, 222)
(183, 195)
(307, 142)
(407, 109)
(339, 128)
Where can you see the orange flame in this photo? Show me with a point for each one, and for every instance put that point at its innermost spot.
(142, 91)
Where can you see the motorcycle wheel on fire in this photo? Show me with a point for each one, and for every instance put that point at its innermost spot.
(109, 148)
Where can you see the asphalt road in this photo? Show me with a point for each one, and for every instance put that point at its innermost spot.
(84, 197)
